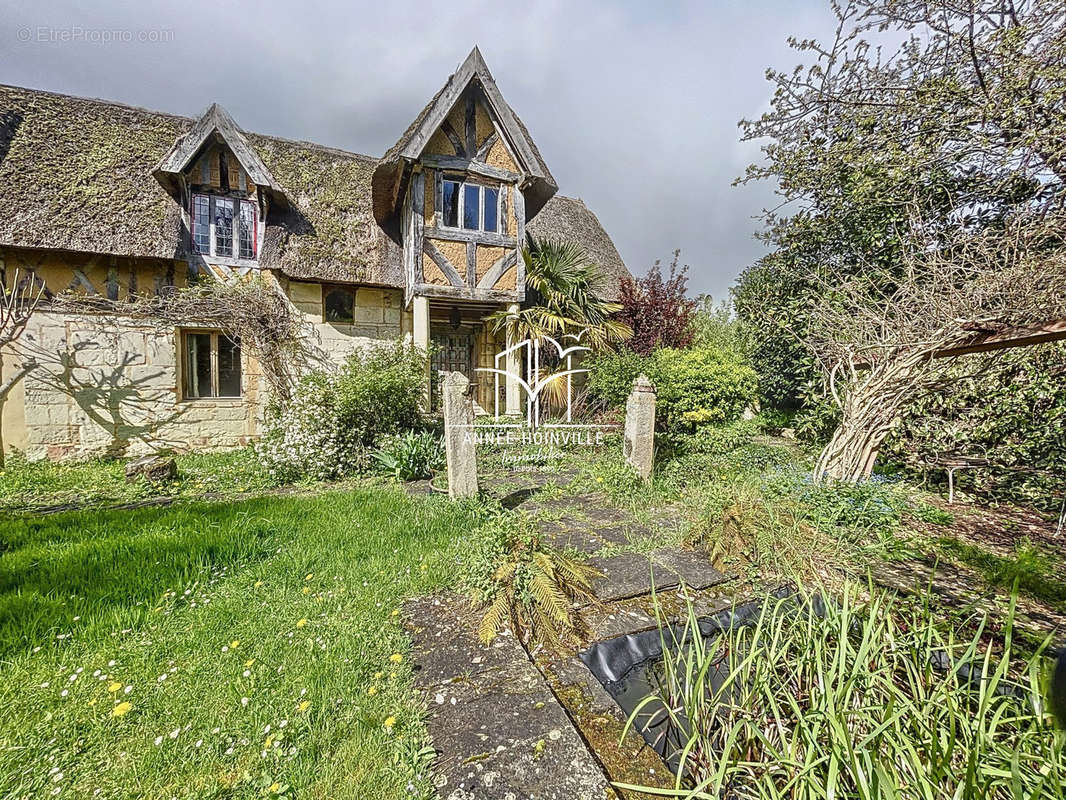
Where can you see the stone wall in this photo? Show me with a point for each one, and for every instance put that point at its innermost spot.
(108, 384)
(379, 316)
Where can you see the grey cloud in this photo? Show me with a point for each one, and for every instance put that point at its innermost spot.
(634, 104)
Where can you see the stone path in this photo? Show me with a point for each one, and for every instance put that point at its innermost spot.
(507, 726)
(493, 720)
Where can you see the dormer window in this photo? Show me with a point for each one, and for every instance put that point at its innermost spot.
(224, 226)
(475, 206)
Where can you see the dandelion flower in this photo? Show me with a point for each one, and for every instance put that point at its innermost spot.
(301, 623)
(390, 722)
(395, 658)
(372, 690)
(275, 787)
(249, 662)
(307, 590)
(309, 576)
(114, 686)
(378, 674)
(122, 709)
(256, 585)
(306, 704)
(235, 644)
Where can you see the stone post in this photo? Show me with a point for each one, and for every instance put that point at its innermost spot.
(639, 445)
(459, 436)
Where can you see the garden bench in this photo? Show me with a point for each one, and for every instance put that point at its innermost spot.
(951, 461)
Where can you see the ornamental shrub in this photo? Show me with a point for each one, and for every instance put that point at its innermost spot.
(611, 376)
(699, 387)
(303, 439)
(333, 419)
(694, 387)
(379, 392)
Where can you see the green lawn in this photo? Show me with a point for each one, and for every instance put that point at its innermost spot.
(28, 485)
(237, 650)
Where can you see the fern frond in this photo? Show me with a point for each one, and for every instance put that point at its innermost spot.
(548, 597)
(505, 571)
(544, 627)
(494, 618)
(576, 574)
(545, 561)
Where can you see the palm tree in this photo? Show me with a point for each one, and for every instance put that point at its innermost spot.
(562, 298)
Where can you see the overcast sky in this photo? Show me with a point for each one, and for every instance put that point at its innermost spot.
(634, 105)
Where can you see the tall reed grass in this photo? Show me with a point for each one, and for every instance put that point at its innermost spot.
(867, 696)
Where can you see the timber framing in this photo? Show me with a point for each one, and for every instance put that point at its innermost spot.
(471, 83)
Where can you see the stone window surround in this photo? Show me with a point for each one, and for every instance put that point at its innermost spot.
(329, 288)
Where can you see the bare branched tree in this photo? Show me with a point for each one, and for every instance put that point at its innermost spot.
(19, 298)
(879, 348)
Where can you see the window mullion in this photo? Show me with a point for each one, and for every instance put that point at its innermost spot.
(211, 224)
(462, 204)
(235, 239)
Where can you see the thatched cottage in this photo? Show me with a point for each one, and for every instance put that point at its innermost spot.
(113, 201)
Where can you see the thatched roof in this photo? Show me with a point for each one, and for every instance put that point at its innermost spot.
(76, 174)
(569, 220)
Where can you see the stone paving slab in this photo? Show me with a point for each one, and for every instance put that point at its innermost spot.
(499, 730)
(554, 767)
(446, 647)
(691, 566)
(627, 575)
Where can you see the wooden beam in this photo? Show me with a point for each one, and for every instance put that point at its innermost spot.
(497, 270)
(441, 261)
(463, 293)
(1012, 337)
(483, 151)
(479, 237)
(453, 137)
(468, 165)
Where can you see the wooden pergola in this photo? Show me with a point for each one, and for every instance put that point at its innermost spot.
(986, 342)
(1009, 337)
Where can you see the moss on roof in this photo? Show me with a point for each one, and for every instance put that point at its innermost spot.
(76, 174)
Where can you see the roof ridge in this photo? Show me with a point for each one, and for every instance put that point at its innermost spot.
(144, 110)
(100, 100)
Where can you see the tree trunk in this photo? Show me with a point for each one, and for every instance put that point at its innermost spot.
(869, 412)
